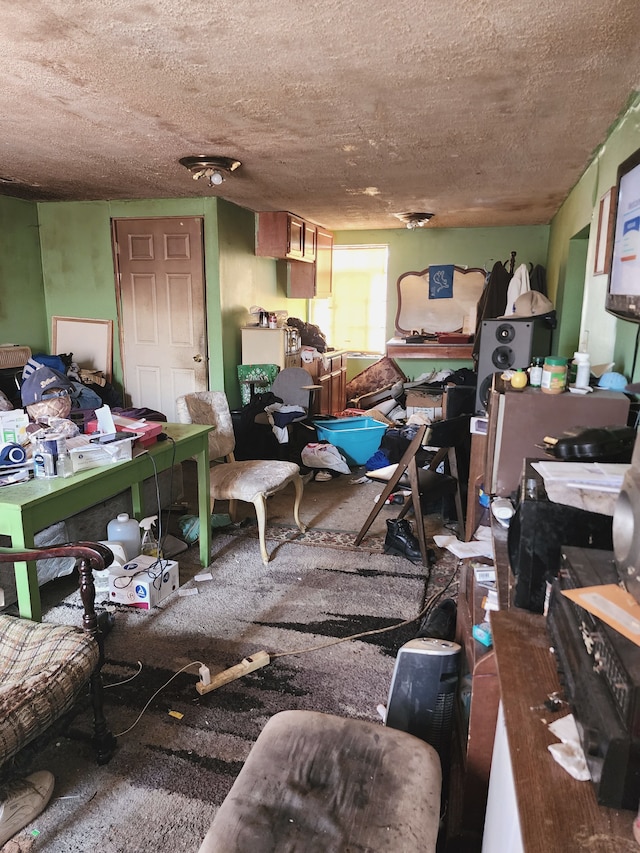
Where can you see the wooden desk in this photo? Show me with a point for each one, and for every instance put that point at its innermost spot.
(26, 508)
(554, 811)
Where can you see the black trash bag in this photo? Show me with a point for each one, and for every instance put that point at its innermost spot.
(310, 335)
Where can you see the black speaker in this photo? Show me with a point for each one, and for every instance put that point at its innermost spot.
(537, 534)
(508, 342)
(422, 693)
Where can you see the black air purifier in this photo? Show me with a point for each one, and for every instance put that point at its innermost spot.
(422, 693)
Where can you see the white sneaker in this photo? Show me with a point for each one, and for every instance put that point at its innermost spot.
(23, 800)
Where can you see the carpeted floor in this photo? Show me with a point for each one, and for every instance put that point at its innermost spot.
(175, 763)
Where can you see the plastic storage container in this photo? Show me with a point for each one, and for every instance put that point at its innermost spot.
(554, 375)
(357, 438)
(126, 530)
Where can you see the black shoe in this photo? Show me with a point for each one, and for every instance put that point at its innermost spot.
(440, 622)
(401, 541)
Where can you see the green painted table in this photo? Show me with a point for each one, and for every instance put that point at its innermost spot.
(26, 508)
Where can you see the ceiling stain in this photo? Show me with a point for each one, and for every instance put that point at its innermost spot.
(485, 113)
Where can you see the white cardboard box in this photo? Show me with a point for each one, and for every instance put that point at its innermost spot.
(143, 582)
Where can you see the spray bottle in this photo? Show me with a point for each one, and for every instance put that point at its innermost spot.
(149, 544)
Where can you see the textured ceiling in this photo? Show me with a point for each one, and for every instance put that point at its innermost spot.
(485, 113)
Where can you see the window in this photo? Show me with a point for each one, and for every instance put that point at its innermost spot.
(355, 316)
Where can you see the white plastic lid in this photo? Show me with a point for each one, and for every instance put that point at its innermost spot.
(123, 516)
(581, 356)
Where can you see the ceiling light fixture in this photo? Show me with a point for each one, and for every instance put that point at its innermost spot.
(210, 167)
(415, 220)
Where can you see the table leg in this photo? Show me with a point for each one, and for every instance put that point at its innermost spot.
(204, 503)
(26, 575)
(136, 500)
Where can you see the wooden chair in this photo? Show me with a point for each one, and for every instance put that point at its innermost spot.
(425, 483)
(45, 669)
(252, 480)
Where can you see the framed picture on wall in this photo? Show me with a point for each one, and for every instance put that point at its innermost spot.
(604, 235)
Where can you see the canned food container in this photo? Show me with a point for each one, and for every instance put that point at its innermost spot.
(554, 375)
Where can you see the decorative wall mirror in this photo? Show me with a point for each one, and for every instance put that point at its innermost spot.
(445, 304)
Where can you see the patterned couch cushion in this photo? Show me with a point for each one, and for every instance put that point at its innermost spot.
(43, 668)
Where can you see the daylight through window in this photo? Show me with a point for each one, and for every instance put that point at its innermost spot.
(355, 316)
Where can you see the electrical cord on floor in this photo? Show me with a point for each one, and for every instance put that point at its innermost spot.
(430, 602)
(425, 609)
(159, 690)
(127, 680)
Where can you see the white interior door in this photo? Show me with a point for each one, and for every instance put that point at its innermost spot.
(162, 306)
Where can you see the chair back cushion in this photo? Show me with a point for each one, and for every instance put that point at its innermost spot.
(209, 407)
(288, 385)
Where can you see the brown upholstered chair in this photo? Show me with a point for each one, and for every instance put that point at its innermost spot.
(44, 668)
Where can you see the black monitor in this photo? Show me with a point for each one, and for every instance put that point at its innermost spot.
(623, 291)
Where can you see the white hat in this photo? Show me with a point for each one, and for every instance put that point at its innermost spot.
(531, 304)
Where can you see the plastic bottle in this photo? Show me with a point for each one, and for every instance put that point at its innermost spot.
(583, 372)
(149, 544)
(65, 466)
(126, 530)
(535, 372)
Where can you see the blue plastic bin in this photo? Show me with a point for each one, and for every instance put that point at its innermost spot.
(357, 438)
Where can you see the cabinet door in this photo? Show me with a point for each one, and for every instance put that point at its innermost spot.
(301, 280)
(324, 394)
(338, 383)
(324, 263)
(295, 237)
(310, 236)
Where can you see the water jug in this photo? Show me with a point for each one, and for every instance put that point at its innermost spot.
(126, 530)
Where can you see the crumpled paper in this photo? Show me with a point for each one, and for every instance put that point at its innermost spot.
(569, 753)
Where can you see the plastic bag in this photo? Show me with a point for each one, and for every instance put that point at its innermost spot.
(321, 455)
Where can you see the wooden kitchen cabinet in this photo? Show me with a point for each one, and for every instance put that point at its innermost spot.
(309, 242)
(310, 281)
(300, 280)
(284, 235)
(324, 264)
(330, 373)
(307, 248)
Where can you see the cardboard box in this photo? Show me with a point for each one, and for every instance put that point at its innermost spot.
(13, 427)
(424, 403)
(89, 455)
(143, 582)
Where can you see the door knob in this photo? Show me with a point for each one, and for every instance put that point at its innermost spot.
(197, 357)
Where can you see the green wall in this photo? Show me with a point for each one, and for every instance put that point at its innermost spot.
(56, 259)
(609, 339)
(414, 250)
(79, 277)
(245, 281)
(23, 314)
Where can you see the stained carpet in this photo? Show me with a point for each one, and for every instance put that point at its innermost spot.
(172, 770)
